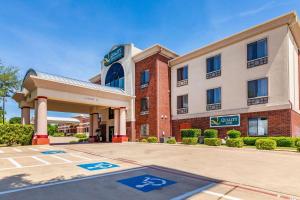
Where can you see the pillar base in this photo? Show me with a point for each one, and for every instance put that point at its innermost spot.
(119, 139)
(40, 140)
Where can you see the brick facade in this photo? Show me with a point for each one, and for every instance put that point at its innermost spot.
(280, 123)
(158, 92)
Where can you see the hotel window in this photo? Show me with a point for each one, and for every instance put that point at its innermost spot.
(257, 53)
(182, 76)
(144, 78)
(144, 105)
(213, 99)
(144, 129)
(110, 113)
(182, 104)
(213, 66)
(258, 91)
(258, 126)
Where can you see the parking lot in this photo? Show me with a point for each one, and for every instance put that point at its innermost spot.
(146, 171)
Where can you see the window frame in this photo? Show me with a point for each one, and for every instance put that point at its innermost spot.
(256, 41)
(144, 112)
(257, 80)
(141, 132)
(182, 110)
(144, 84)
(183, 81)
(220, 95)
(214, 56)
(257, 124)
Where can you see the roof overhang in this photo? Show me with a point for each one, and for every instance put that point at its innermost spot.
(156, 49)
(289, 19)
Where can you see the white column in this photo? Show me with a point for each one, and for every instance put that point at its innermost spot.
(116, 121)
(123, 121)
(35, 115)
(25, 115)
(41, 117)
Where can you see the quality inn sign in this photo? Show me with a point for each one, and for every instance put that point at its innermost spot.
(224, 121)
(114, 55)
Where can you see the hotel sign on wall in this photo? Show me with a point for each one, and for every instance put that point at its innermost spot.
(114, 55)
(224, 121)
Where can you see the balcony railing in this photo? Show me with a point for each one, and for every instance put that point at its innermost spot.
(257, 62)
(213, 74)
(257, 100)
(145, 112)
(182, 110)
(182, 82)
(215, 106)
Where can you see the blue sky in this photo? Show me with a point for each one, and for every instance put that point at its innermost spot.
(71, 37)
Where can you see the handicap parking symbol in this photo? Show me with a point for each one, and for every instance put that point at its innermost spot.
(146, 183)
(53, 152)
(97, 166)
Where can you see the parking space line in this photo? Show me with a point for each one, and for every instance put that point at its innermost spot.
(193, 192)
(47, 148)
(15, 163)
(41, 160)
(68, 181)
(66, 160)
(33, 149)
(78, 156)
(221, 195)
(17, 150)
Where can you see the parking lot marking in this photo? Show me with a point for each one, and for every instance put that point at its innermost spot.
(47, 148)
(17, 150)
(97, 166)
(66, 160)
(41, 160)
(221, 195)
(68, 181)
(53, 152)
(15, 163)
(33, 149)
(78, 156)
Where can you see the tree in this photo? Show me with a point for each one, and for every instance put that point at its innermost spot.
(15, 120)
(9, 83)
(52, 129)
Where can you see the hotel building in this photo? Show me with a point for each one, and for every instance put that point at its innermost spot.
(248, 81)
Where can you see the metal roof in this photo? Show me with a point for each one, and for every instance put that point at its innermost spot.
(71, 81)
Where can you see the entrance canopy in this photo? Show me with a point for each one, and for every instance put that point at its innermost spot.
(69, 95)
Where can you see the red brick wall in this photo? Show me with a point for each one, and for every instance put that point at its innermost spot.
(158, 92)
(279, 123)
(295, 124)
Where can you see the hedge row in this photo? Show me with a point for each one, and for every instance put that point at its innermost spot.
(190, 132)
(11, 134)
(212, 141)
(280, 141)
(235, 142)
(190, 140)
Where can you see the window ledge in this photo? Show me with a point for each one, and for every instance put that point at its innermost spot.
(144, 85)
(144, 112)
(182, 110)
(257, 100)
(257, 62)
(216, 106)
(213, 74)
(182, 82)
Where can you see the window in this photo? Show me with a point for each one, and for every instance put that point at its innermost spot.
(111, 113)
(145, 105)
(213, 99)
(257, 53)
(258, 126)
(144, 129)
(144, 78)
(258, 91)
(182, 104)
(115, 76)
(182, 76)
(213, 66)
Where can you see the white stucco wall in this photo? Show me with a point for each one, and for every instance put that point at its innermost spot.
(235, 75)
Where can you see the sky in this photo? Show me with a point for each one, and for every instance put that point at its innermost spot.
(70, 38)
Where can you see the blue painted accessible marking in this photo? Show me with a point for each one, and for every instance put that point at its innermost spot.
(53, 152)
(97, 166)
(146, 183)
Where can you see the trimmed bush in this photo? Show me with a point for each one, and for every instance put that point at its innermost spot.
(144, 140)
(190, 140)
(11, 134)
(212, 141)
(210, 133)
(235, 142)
(80, 135)
(83, 139)
(59, 134)
(190, 132)
(284, 141)
(73, 142)
(152, 139)
(233, 134)
(171, 141)
(266, 144)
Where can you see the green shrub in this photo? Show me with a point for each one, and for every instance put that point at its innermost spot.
(152, 139)
(11, 134)
(59, 134)
(284, 141)
(144, 140)
(190, 132)
(298, 149)
(249, 140)
(73, 142)
(233, 134)
(190, 140)
(210, 133)
(297, 144)
(83, 139)
(212, 141)
(171, 141)
(266, 144)
(235, 142)
(80, 135)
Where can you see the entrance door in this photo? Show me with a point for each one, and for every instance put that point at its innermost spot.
(103, 132)
(110, 133)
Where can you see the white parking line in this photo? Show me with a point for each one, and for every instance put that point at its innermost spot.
(47, 148)
(69, 181)
(33, 149)
(17, 150)
(221, 195)
(41, 160)
(66, 160)
(14, 162)
(78, 156)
